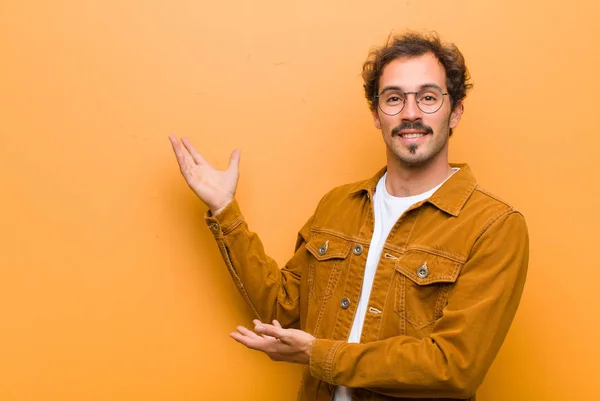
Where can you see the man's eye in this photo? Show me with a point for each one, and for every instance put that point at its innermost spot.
(428, 99)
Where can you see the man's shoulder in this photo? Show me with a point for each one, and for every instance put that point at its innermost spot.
(344, 198)
(356, 189)
(489, 199)
(491, 206)
(349, 191)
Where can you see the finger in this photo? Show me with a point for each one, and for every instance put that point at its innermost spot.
(188, 145)
(240, 338)
(277, 324)
(269, 338)
(234, 160)
(266, 337)
(183, 157)
(271, 330)
(248, 333)
(255, 343)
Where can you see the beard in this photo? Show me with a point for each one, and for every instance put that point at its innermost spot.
(418, 155)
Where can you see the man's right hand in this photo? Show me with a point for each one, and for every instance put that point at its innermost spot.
(215, 188)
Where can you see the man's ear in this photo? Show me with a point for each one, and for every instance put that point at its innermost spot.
(456, 114)
(376, 119)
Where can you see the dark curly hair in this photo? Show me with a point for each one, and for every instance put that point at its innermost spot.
(412, 44)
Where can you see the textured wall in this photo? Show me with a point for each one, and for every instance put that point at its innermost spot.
(111, 287)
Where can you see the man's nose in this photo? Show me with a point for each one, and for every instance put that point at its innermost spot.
(411, 109)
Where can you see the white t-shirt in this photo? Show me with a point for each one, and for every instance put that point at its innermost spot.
(388, 210)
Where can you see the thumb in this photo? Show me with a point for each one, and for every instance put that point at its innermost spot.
(234, 160)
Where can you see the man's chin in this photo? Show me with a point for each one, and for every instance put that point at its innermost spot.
(412, 158)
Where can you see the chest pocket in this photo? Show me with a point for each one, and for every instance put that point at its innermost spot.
(328, 254)
(423, 282)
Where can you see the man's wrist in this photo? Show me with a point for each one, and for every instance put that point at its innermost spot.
(216, 210)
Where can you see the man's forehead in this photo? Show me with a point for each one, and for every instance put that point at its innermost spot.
(413, 72)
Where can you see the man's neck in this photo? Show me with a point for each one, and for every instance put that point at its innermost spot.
(403, 181)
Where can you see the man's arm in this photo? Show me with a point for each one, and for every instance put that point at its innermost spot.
(271, 293)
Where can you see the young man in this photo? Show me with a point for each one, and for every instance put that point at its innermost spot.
(402, 286)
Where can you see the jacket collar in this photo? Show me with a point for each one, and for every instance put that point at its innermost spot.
(450, 197)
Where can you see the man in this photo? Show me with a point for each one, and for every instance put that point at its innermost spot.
(402, 286)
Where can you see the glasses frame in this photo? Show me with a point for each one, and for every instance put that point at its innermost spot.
(416, 100)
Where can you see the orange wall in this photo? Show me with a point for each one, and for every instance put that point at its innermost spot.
(111, 287)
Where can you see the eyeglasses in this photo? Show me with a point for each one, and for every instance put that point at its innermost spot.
(392, 101)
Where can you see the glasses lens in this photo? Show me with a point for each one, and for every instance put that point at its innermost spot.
(391, 102)
(430, 100)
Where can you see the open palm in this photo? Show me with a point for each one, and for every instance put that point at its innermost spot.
(214, 187)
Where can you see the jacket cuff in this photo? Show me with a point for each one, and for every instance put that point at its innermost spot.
(322, 355)
(226, 220)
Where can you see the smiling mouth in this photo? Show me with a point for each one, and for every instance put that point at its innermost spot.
(412, 135)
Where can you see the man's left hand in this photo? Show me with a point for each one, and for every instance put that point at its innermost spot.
(288, 345)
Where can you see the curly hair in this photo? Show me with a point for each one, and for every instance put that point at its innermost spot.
(412, 44)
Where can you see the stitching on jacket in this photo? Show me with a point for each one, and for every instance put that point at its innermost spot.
(317, 230)
(412, 228)
(333, 277)
(385, 304)
(497, 217)
(237, 279)
(485, 192)
(431, 250)
(406, 272)
(439, 304)
(311, 282)
(468, 193)
(338, 310)
(436, 251)
(399, 305)
(440, 204)
(418, 325)
(402, 306)
(329, 360)
(236, 223)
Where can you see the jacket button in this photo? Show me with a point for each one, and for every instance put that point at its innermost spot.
(323, 248)
(358, 249)
(345, 303)
(423, 271)
(214, 227)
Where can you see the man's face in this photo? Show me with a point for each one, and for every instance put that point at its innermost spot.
(413, 137)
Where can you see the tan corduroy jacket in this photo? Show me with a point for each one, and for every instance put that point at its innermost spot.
(446, 289)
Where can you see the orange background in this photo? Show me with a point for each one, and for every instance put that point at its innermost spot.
(111, 287)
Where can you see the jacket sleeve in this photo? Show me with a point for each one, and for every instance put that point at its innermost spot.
(454, 359)
(271, 292)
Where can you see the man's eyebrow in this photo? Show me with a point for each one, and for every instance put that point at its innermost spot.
(424, 86)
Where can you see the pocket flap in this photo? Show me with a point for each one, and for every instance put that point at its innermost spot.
(325, 247)
(425, 268)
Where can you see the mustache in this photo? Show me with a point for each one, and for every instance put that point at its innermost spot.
(412, 125)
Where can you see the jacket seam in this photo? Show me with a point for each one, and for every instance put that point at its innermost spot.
(493, 220)
(338, 235)
(230, 227)
(433, 251)
(412, 228)
(329, 361)
(238, 281)
(491, 195)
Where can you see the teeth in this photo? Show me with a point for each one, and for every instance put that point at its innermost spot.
(409, 136)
